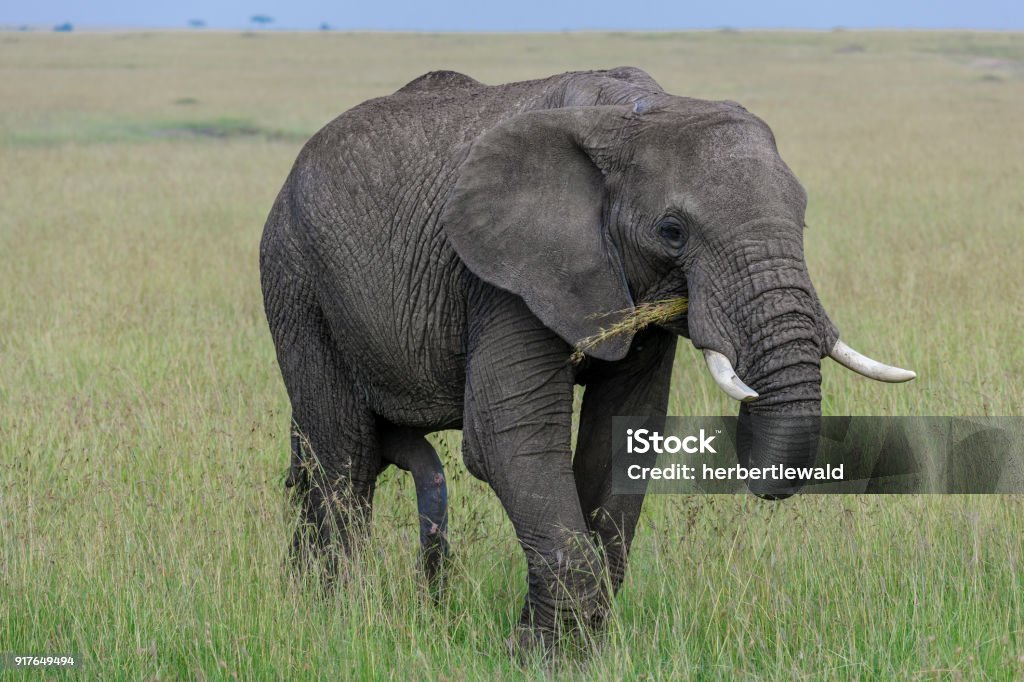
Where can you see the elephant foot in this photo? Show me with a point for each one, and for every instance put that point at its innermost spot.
(529, 644)
(435, 559)
(320, 564)
(329, 534)
(566, 620)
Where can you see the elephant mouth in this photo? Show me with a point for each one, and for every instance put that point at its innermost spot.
(660, 312)
(679, 326)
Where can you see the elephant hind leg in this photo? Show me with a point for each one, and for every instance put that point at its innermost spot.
(410, 451)
(335, 454)
(335, 459)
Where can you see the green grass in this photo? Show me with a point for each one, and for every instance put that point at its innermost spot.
(143, 424)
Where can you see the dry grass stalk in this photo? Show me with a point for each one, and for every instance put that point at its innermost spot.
(654, 312)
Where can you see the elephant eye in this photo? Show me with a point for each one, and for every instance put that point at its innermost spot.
(672, 232)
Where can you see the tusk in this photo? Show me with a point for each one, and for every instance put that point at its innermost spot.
(725, 377)
(872, 369)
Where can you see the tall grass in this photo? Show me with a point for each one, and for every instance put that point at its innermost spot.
(144, 428)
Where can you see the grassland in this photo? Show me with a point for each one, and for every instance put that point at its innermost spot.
(143, 425)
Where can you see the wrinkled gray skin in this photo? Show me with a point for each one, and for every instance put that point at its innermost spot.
(434, 254)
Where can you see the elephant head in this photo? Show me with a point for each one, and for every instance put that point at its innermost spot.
(588, 212)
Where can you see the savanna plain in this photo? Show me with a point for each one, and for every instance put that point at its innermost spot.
(144, 426)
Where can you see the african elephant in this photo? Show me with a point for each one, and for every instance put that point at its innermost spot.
(435, 256)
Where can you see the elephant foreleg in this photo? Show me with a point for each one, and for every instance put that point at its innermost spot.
(517, 429)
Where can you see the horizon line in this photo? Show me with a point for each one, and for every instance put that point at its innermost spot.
(124, 28)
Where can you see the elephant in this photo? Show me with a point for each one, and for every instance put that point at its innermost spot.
(436, 255)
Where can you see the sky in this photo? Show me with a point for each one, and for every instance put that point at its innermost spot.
(524, 15)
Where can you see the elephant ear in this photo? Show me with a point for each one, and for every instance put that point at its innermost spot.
(525, 215)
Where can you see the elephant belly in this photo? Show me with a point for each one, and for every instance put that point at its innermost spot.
(423, 389)
(421, 410)
(402, 339)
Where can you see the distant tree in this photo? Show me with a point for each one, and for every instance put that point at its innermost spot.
(196, 23)
(325, 26)
(66, 27)
(261, 19)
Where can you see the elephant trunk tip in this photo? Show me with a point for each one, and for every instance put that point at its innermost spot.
(785, 445)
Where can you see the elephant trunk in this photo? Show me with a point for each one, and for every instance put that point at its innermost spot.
(783, 338)
(778, 432)
(755, 313)
(775, 332)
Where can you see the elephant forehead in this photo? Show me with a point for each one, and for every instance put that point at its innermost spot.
(735, 136)
(745, 185)
(699, 123)
(681, 146)
(760, 180)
